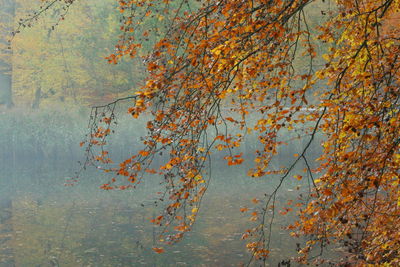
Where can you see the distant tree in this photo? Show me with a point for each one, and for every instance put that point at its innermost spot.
(7, 14)
(259, 57)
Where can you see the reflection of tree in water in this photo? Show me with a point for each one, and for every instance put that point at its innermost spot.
(6, 233)
(52, 231)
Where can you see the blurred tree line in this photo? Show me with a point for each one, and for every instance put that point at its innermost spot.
(48, 65)
(54, 63)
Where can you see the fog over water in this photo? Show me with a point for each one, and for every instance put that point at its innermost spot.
(45, 223)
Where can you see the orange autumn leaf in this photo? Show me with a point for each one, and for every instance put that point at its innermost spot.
(144, 153)
(158, 250)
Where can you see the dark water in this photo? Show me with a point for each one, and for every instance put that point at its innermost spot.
(44, 223)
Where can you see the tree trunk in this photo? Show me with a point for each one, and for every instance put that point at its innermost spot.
(6, 85)
(36, 100)
(6, 25)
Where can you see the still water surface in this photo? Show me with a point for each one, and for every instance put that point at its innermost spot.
(44, 223)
